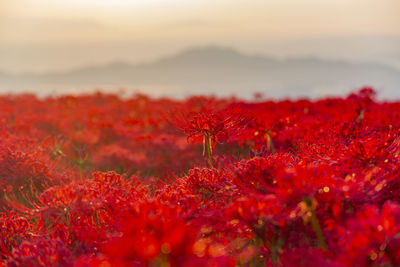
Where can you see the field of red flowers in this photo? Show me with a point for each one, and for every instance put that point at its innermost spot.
(96, 180)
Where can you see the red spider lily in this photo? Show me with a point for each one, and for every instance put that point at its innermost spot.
(41, 253)
(372, 237)
(211, 127)
(13, 230)
(156, 233)
(295, 181)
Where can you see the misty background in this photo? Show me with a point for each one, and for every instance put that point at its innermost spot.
(175, 48)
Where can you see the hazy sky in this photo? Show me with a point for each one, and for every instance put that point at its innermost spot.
(38, 35)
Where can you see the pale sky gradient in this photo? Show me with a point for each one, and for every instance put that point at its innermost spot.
(39, 35)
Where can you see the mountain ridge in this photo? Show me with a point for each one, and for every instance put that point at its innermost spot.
(222, 70)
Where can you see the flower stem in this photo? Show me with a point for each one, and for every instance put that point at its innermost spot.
(208, 144)
(270, 143)
(315, 224)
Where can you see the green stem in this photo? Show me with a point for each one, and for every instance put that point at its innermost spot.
(360, 116)
(315, 224)
(270, 143)
(209, 149)
(274, 250)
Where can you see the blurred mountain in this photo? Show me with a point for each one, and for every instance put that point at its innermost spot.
(224, 71)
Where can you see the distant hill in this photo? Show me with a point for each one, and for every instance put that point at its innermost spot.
(224, 71)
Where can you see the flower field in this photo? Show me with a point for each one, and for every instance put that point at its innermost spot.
(97, 180)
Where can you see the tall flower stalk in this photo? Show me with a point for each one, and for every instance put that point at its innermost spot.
(315, 223)
(208, 145)
(211, 127)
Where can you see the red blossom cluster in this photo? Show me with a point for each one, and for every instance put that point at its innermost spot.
(97, 180)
